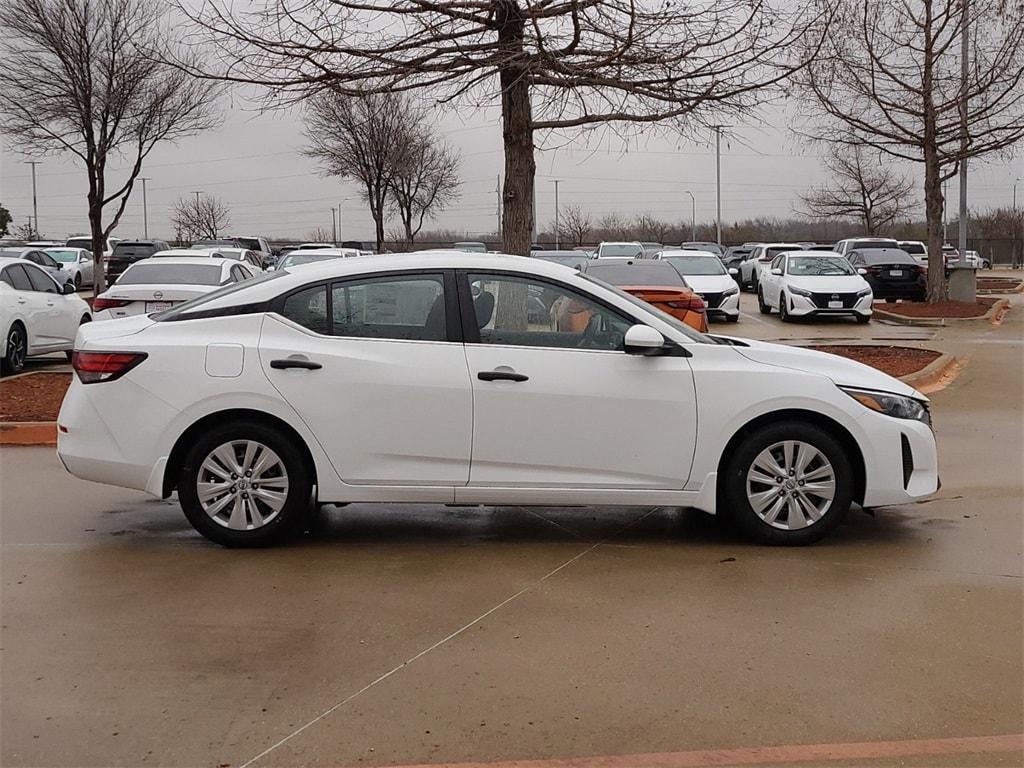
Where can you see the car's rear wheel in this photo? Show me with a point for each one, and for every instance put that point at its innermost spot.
(789, 484)
(17, 350)
(762, 304)
(244, 485)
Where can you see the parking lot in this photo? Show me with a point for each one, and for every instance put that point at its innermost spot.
(406, 634)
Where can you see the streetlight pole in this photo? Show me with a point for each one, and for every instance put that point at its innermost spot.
(718, 181)
(497, 191)
(1015, 182)
(145, 209)
(693, 216)
(964, 74)
(334, 226)
(35, 205)
(558, 242)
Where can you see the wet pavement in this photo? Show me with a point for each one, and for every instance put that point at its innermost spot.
(397, 634)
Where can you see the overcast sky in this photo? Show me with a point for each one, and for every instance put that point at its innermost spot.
(254, 164)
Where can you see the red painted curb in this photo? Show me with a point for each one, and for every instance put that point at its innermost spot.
(28, 433)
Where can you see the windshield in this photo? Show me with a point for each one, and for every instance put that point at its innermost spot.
(676, 324)
(647, 273)
(80, 242)
(295, 258)
(170, 274)
(818, 266)
(620, 249)
(64, 257)
(697, 265)
(249, 242)
(175, 313)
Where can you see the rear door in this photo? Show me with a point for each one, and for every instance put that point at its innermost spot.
(29, 304)
(51, 325)
(376, 369)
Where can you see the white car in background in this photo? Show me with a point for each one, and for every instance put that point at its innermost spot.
(314, 256)
(252, 258)
(804, 283)
(37, 316)
(77, 262)
(419, 378)
(161, 282)
(754, 265)
(707, 276)
(624, 250)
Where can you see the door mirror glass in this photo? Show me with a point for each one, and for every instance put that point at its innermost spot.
(68, 289)
(733, 271)
(862, 271)
(777, 271)
(643, 340)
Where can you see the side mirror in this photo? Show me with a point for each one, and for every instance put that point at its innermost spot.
(643, 340)
(862, 271)
(733, 271)
(68, 289)
(777, 271)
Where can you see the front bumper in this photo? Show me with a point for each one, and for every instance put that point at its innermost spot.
(802, 306)
(900, 461)
(729, 306)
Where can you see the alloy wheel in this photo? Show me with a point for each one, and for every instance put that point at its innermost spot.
(16, 350)
(242, 485)
(791, 485)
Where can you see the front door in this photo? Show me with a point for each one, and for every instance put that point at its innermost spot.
(373, 368)
(559, 404)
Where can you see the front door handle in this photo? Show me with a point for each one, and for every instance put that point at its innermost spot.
(295, 362)
(501, 376)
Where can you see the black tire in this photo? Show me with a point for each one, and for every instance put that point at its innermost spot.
(733, 484)
(732, 318)
(85, 319)
(287, 520)
(783, 311)
(17, 350)
(78, 281)
(890, 301)
(762, 305)
(863, 319)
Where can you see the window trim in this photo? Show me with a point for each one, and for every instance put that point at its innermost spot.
(453, 326)
(471, 331)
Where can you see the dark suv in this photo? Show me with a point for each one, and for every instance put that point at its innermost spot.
(127, 252)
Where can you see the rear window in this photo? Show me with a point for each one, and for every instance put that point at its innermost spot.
(889, 256)
(771, 253)
(915, 248)
(160, 273)
(135, 249)
(252, 243)
(196, 307)
(80, 242)
(626, 249)
(636, 274)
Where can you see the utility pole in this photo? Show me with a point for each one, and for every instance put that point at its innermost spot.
(718, 181)
(341, 234)
(693, 215)
(145, 210)
(197, 194)
(334, 226)
(558, 241)
(497, 191)
(35, 205)
(964, 75)
(945, 227)
(1015, 182)
(535, 236)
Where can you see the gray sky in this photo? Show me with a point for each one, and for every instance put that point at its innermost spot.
(253, 163)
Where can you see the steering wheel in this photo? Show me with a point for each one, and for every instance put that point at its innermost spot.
(587, 339)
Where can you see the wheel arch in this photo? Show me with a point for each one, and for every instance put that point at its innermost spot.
(218, 418)
(830, 425)
(20, 322)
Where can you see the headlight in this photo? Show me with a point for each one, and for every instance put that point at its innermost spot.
(798, 291)
(731, 291)
(897, 406)
(862, 293)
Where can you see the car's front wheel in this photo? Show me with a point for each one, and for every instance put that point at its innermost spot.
(789, 484)
(762, 305)
(244, 485)
(783, 311)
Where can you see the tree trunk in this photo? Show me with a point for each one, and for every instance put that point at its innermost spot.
(933, 202)
(520, 167)
(99, 240)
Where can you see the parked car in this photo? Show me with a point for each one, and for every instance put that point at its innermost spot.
(758, 260)
(205, 244)
(245, 403)
(77, 262)
(651, 249)
(697, 245)
(85, 243)
(43, 260)
(735, 256)
(295, 258)
(856, 243)
(616, 250)
(37, 315)
(917, 249)
(892, 273)
(826, 247)
(471, 247)
(258, 244)
(127, 252)
(159, 283)
(313, 246)
(253, 258)
(656, 282)
(800, 285)
(704, 272)
(574, 259)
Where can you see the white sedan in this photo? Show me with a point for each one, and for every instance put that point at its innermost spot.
(156, 284)
(426, 377)
(77, 262)
(37, 316)
(803, 283)
(706, 275)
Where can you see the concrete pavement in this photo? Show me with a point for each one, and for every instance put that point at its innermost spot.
(410, 634)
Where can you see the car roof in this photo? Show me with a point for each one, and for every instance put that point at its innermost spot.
(325, 252)
(184, 260)
(682, 252)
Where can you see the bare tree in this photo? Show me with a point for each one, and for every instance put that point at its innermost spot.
(319, 235)
(612, 226)
(424, 179)
(861, 188)
(888, 77)
(651, 229)
(85, 77)
(552, 66)
(574, 225)
(195, 218)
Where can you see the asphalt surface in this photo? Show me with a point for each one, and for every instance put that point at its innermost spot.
(412, 634)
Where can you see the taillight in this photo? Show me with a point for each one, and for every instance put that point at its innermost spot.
(921, 270)
(98, 303)
(693, 304)
(93, 367)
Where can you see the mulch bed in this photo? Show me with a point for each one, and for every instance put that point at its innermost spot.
(941, 309)
(36, 397)
(895, 361)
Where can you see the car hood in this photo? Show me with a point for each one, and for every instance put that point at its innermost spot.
(840, 370)
(710, 283)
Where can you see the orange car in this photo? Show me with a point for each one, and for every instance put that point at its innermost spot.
(656, 282)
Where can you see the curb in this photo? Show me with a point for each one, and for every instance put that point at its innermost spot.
(988, 317)
(1018, 288)
(28, 433)
(934, 376)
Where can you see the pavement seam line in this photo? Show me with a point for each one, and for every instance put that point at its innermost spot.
(351, 697)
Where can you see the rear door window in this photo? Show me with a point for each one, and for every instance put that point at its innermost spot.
(15, 277)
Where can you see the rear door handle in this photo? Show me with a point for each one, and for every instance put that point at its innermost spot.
(501, 376)
(295, 362)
